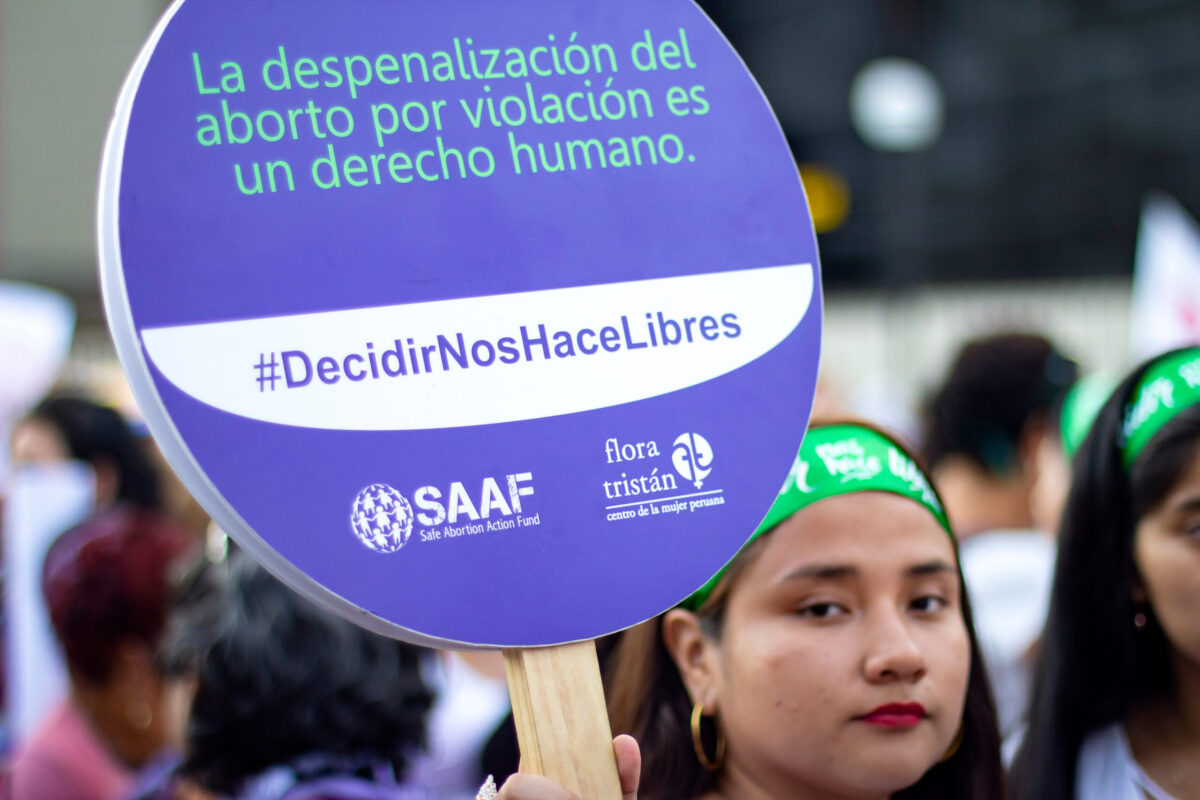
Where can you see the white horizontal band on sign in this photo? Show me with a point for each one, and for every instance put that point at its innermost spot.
(485, 360)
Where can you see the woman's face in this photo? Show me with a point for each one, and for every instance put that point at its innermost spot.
(843, 662)
(1166, 549)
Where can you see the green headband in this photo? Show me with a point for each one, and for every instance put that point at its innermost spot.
(841, 459)
(1168, 386)
(1080, 407)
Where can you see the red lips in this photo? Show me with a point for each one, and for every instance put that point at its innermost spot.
(895, 715)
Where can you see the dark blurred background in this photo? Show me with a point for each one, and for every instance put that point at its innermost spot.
(1059, 116)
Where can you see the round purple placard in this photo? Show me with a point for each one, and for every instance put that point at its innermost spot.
(479, 323)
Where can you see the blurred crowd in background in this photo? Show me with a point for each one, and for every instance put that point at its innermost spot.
(141, 644)
(1004, 195)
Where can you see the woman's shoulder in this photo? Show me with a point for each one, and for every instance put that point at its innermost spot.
(1104, 769)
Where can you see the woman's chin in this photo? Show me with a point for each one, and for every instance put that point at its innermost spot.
(890, 766)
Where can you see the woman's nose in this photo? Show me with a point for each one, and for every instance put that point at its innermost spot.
(892, 654)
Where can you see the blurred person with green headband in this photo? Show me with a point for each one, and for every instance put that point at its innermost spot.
(833, 657)
(1115, 711)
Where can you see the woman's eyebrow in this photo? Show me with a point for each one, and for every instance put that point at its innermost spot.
(823, 572)
(833, 572)
(932, 568)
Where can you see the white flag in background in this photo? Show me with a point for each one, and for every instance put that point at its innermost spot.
(1166, 279)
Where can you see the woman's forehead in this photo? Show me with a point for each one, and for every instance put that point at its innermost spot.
(876, 530)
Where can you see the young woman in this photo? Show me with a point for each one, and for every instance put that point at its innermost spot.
(833, 658)
(1116, 704)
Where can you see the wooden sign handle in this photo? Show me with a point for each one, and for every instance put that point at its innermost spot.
(562, 723)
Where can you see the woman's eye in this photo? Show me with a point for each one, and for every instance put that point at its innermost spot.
(822, 610)
(929, 603)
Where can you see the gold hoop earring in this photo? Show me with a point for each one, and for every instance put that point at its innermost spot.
(713, 764)
(953, 748)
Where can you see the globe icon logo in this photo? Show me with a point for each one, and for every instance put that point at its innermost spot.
(381, 518)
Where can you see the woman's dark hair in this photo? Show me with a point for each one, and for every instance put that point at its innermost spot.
(282, 682)
(996, 386)
(99, 434)
(107, 581)
(648, 699)
(1094, 666)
